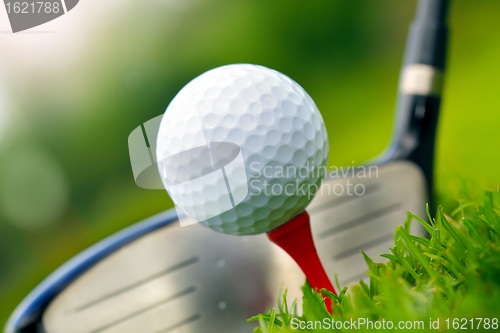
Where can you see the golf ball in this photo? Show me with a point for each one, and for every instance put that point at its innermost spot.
(242, 149)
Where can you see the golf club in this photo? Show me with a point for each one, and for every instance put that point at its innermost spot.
(158, 277)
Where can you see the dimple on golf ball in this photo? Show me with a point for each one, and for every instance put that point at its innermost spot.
(242, 149)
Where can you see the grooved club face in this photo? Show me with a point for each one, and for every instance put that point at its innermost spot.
(194, 280)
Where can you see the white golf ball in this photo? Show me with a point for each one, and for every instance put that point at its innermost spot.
(242, 149)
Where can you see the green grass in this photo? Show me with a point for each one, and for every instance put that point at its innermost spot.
(453, 274)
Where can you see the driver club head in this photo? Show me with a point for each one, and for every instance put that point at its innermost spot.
(158, 277)
(191, 279)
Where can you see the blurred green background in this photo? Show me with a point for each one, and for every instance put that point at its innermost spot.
(72, 91)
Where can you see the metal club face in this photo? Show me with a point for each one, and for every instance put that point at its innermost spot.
(344, 225)
(176, 279)
(194, 280)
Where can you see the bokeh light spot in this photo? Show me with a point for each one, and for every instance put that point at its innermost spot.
(33, 190)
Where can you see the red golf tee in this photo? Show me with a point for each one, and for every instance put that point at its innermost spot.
(295, 238)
